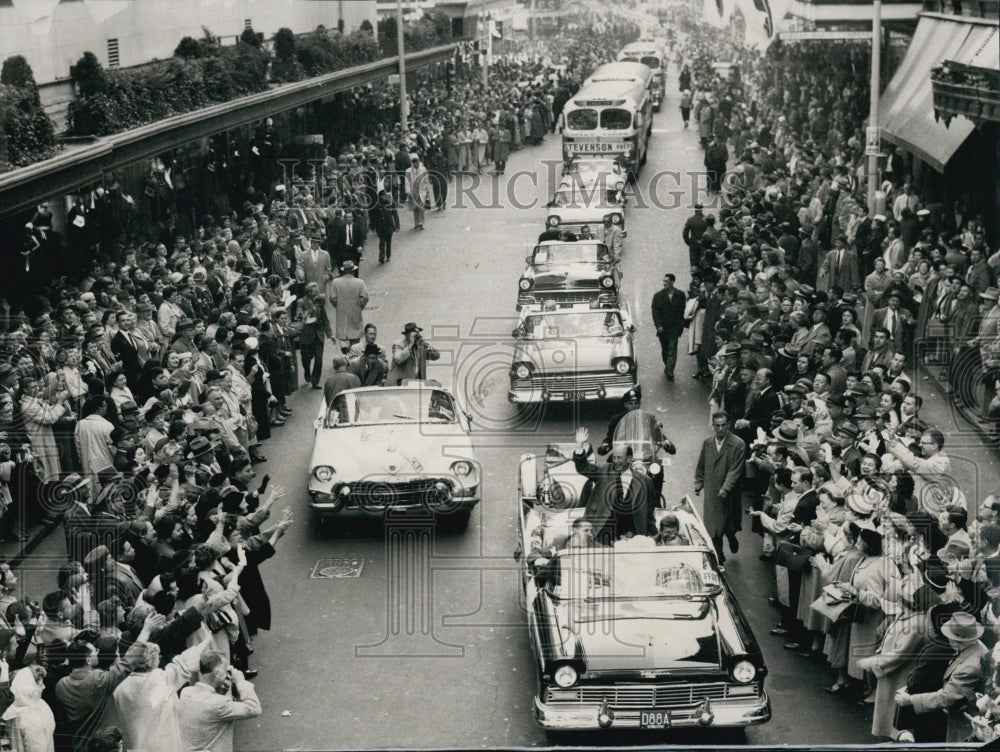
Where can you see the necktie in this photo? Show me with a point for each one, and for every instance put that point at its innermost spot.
(348, 235)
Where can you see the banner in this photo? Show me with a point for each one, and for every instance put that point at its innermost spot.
(762, 19)
(716, 13)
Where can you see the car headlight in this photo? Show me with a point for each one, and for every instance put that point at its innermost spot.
(461, 468)
(553, 221)
(744, 672)
(655, 468)
(565, 676)
(620, 186)
(522, 371)
(622, 366)
(323, 473)
(524, 284)
(608, 282)
(616, 219)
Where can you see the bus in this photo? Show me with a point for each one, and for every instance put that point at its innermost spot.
(609, 119)
(649, 54)
(625, 72)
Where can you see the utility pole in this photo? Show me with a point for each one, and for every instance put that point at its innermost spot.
(404, 107)
(487, 52)
(873, 134)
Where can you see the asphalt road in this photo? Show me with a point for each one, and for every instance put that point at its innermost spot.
(427, 646)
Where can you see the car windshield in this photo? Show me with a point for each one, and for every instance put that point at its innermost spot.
(582, 120)
(595, 323)
(639, 431)
(381, 406)
(623, 572)
(589, 196)
(650, 62)
(613, 119)
(571, 253)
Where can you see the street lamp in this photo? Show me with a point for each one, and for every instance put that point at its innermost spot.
(404, 107)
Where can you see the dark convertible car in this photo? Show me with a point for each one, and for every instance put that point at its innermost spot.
(569, 272)
(635, 635)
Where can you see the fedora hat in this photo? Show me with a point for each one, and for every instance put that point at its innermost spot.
(787, 432)
(74, 482)
(411, 327)
(348, 266)
(990, 293)
(199, 446)
(963, 627)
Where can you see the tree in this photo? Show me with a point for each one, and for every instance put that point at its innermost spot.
(189, 49)
(89, 76)
(251, 37)
(284, 44)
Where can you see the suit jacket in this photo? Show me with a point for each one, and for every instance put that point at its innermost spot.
(338, 241)
(844, 275)
(962, 679)
(876, 358)
(128, 353)
(318, 270)
(817, 335)
(759, 413)
(900, 330)
(668, 312)
(607, 495)
(369, 375)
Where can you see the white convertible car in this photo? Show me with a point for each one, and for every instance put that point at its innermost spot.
(388, 450)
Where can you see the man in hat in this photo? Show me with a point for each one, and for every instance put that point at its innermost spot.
(668, 318)
(201, 451)
(184, 343)
(313, 265)
(410, 356)
(369, 367)
(694, 228)
(963, 679)
(348, 295)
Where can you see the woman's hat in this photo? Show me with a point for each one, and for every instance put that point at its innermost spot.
(963, 627)
(860, 505)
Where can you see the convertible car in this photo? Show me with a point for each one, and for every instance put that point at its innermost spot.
(573, 272)
(573, 353)
(394, 449)
(635, 635)
(584, 199)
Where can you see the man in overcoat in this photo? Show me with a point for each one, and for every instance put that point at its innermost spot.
(720, 473)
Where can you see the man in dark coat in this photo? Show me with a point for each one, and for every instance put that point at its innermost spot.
(694, 228)
(668, 318)
(720, 473)
(762, 403)
(622, 500)
(713, 310)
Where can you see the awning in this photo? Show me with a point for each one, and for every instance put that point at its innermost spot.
(906, 107)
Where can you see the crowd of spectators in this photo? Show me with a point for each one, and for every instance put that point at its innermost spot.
(136, 398)
(811, 319)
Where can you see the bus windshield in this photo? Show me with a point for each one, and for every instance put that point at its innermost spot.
(650, 62)
(582, 120)
(613, 119)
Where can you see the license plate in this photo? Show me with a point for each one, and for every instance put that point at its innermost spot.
(574, 396)
(654, 719)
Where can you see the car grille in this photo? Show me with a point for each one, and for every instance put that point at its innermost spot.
(578, 294)
(418, 491)
(563, 382)
(650, 696)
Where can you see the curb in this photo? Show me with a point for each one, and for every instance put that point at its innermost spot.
(36, 537)
(967, 414)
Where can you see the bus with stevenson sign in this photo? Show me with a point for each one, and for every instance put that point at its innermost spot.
(610, 119)
(651, 55)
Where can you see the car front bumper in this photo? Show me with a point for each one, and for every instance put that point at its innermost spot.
(328, 504)
(584, 717)
(529, 395)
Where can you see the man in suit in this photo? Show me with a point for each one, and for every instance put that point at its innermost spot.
(719, 472)
(762, 403)
(840, 269)
(315, 329)
(819, 334)
(622, 501)
(208, 711)
(315, 263)
(881, 352)
(611, 235)
(897, 321)
(349, 296)
(668, 318)
(370, 369)
(713, 310)
(348, 240)
(125, 346)
(963, 679)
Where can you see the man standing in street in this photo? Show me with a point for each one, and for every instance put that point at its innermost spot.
(720, 472)
(668, 318)
(418, 189)
(315, 263)
(349, 296)
(410, 356)
(208, 710)
(694, 228)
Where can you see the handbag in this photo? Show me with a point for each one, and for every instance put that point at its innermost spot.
(793, 556)
(835, 611)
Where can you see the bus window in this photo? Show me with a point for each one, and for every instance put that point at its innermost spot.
(651, 62)
(581, 120)
(616, 120)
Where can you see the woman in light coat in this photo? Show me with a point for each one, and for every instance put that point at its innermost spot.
(30, 719)
(39, 417)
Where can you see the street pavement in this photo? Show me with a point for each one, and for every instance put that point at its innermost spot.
(427, 645)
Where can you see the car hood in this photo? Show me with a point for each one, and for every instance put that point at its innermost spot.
(562, 355)
(566, 275)
(640, 635)
(393, 450)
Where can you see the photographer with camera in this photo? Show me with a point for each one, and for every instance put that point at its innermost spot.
(410, 356)
(209, 709)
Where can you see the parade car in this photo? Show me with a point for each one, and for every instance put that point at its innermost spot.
(635, 635)
(569, 272)
(394, 449)
(584, 199)
(572, 353)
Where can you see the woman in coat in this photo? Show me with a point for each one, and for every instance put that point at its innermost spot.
(30, 719)
(39, 416)
(873, 577)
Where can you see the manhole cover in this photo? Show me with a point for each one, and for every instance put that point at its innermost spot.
(337, 568)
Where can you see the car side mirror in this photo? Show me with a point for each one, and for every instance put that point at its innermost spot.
(624, 233)
(515, 333)
(631, 328)
(550, 204)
